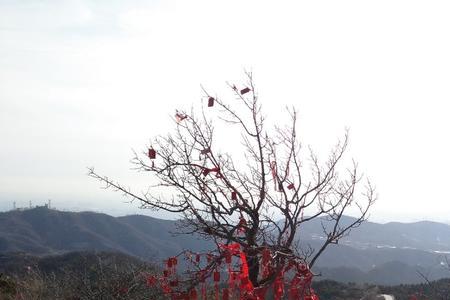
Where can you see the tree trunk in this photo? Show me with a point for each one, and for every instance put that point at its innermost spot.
(253, 267)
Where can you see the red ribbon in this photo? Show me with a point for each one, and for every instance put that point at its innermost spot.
(246, 284)
(265, 262)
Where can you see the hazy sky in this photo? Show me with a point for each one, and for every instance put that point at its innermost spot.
(84, 82)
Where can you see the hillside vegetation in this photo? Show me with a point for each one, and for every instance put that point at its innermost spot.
(104, 275)
(76, 275)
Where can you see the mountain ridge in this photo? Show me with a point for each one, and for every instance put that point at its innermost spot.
(368, 250)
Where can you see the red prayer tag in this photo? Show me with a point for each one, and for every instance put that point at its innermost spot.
(233, 196)
(210, 101)
(245, 91)
(216, 276)
(291, 186)
(205, 151)
(151, 153)
(180, 117)
(228, 257)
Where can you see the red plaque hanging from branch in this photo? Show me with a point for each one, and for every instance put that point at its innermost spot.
(245, 91)
(152, 153)
(210, 101)
(180, 117)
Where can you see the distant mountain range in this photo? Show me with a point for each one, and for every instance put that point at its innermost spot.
(389, 253)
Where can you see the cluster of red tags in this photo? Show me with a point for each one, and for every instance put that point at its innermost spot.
(237, 284)
(242, 92)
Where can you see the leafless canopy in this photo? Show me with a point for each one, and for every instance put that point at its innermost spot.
(233, 202)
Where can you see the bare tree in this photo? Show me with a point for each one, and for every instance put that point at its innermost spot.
(231, 202)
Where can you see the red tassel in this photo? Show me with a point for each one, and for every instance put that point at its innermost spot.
(197, 258)
(151, 153)
(210, 101)
(245, 91)
(233, 196)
